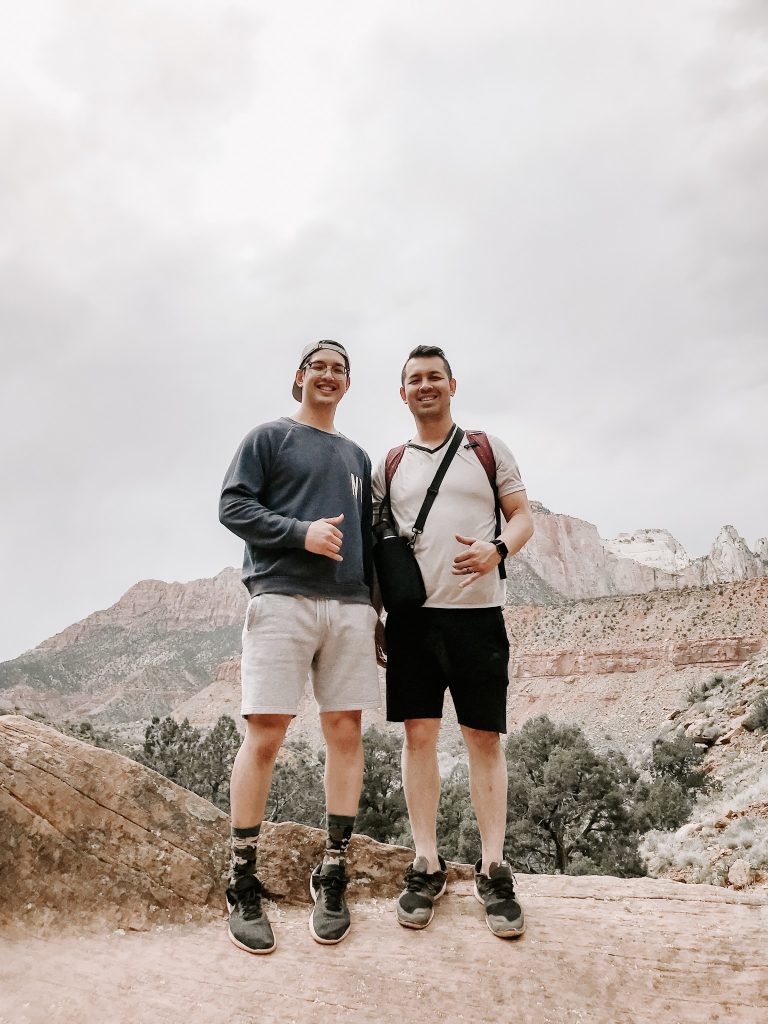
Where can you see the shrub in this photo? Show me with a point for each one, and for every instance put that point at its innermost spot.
(678, 758)
(757, 716)
(88, 734)
(382, 814)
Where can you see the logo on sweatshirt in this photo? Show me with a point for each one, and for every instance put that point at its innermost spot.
(357, 487)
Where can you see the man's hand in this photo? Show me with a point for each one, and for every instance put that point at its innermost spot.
(480, 557)
(323, 538)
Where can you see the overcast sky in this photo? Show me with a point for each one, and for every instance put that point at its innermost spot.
(570, 198)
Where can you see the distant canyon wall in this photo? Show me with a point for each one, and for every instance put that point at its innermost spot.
(569, 555)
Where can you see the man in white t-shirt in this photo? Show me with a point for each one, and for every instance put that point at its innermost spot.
(457, 639)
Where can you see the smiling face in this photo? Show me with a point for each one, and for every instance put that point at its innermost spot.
(427, 389)
(324, 379)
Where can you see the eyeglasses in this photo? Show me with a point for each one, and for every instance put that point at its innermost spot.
(316, 366)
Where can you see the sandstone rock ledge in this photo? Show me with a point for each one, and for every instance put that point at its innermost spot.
(88, 834)
(80, 823)
(597, 950)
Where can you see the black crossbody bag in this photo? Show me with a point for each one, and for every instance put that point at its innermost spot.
(400, 580)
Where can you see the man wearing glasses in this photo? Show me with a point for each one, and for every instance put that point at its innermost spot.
(299, 494)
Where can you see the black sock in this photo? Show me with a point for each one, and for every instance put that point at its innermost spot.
(339, 833)
(243, 842)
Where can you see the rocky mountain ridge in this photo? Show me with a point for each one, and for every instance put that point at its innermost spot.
(569, 556)
(160, 647)
(205, 604)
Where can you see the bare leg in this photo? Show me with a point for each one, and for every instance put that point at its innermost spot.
(252, 770)
(343, 761)
(488, 789)
(421, 782)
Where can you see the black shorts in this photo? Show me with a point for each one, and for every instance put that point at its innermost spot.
(463, 649)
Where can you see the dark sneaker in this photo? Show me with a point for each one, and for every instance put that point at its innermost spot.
(496, 891)
(329, 922)
(249, 926)
(415, 903)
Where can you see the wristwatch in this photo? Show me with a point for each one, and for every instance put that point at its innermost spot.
(501, 547)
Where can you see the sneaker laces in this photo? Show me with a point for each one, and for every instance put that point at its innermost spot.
(503, 888)
(248, 892)
(415, 880)
(333, 887)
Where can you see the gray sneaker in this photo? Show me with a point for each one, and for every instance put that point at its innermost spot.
(249, 926)
(496, 891)
(329, 921)
(415, 904)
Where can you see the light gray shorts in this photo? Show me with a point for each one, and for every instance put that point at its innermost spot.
(287, 639)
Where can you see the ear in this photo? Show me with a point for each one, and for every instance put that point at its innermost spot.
(299, 378)
(402, 395)
(349, 381)
(452, 386)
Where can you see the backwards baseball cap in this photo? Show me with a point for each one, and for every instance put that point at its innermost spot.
(307, 354)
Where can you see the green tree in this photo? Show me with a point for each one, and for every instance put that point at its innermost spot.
(679, 759)
(215, 757)
(676, 774)
(457, 834)
(173, 750)
(382, 812)
(203, 764)
(297, 792)
(662, 804)
(570, 810)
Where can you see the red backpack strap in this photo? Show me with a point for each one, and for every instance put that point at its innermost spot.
(392, 461)
(481, 446)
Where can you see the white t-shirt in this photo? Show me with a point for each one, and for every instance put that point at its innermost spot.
(464, 505)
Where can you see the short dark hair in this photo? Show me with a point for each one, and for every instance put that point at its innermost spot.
(427, 352)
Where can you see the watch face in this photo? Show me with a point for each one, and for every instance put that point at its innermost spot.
(501, 547)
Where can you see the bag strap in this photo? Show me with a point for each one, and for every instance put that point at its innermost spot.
(478, 441)
(392, 461)
(434, 487)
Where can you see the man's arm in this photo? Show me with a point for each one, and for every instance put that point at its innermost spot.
(242, 512)
(480, 556)
(519, 521)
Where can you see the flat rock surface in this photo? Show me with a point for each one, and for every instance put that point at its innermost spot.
(596, 950)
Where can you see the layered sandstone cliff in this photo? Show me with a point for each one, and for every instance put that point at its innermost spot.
(158, 645)
(619, 666)
(568, 555)
(163, 607)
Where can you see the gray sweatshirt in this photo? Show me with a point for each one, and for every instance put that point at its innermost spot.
(284, 476)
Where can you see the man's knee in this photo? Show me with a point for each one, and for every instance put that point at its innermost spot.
(342, 730)
(421, 734)
(480, 741)
(264, 736)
